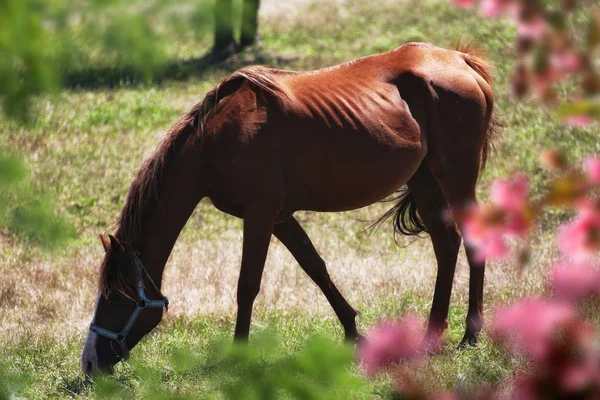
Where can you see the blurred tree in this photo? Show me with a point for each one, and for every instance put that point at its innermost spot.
(224, 43)
(41, 42)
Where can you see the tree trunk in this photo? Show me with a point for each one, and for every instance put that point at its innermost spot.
(249, 23)
(223, 25)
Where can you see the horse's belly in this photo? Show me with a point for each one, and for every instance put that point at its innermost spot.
(350, 180)
(345, 149)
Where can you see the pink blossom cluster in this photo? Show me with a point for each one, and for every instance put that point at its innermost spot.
(509, 215)
(548, 52)
(580, 239)
(391, 342)
(561, 346)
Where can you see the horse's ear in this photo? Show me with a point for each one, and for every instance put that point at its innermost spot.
(115, 244)
(105, 242)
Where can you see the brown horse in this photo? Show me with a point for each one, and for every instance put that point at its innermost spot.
(266, 143)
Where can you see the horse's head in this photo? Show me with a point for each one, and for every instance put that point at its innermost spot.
(123, 314)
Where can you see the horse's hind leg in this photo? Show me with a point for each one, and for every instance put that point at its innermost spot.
(446, 240)
(457, 138)
(459, 191)
(295, 239)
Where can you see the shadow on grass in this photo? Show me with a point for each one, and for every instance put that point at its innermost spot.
(180, 70)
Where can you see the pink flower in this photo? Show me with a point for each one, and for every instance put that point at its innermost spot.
(391, 342)
(488, 227)
(530, 325)
(482, 228)
(592, 168)
(464, 3)
(575, 282)
(510, 195)
(580, 120)
(492, 8)
(580, 239)
(581, 376)
(588, 207)
(542, 82)
(533, 28)
(564, 62)
(493, 246)
(525, 389)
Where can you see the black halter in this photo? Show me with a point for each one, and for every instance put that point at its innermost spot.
(141, 303)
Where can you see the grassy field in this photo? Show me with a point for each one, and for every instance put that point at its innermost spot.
(86, 143)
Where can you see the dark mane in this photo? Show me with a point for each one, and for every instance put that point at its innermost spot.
(144, 188)
(143, 192)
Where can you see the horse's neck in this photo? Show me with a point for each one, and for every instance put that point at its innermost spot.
(180, 192)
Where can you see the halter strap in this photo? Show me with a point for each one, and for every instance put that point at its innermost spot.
(142, 302)
(134, 257)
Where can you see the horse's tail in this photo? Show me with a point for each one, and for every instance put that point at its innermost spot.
(475, 59)
(405, 216)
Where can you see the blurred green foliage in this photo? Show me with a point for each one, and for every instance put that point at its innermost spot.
(10, 383)
(46, 44)
(320, 369)
(42, 43)
(25, 211)
(26, 55)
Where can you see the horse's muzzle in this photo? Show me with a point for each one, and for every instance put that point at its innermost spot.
(91, 364)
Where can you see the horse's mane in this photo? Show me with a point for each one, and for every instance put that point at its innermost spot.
(262, 77)
(143, 192)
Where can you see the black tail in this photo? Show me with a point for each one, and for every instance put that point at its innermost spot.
(406, 218)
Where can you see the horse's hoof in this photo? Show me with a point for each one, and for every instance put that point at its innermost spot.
(469, 340)
(356, 339)
(240, 339)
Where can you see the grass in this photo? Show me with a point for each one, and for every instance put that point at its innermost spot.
(84, 146)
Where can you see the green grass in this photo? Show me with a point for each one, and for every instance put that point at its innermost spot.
(84, 145)
(193, 358)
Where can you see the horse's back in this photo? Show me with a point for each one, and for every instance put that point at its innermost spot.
(348, 136)
(338, 138)
(458, 71)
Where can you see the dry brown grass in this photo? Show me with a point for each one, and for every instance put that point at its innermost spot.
(41, 295)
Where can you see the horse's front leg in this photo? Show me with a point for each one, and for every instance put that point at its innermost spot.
(258, 228)
(295, 239)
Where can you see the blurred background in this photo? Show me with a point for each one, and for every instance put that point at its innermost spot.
(88, 87)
